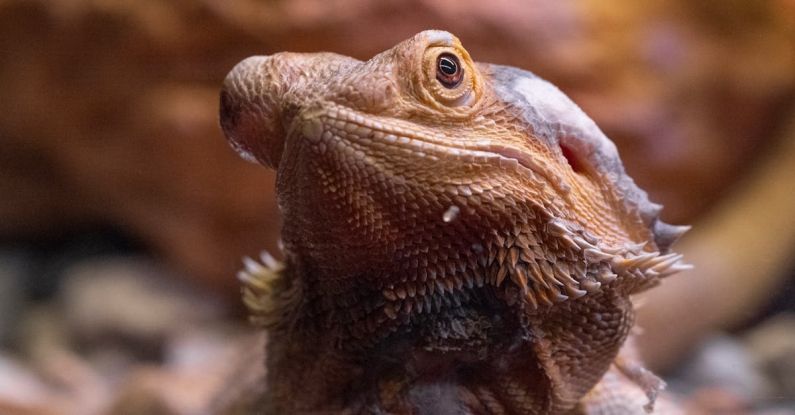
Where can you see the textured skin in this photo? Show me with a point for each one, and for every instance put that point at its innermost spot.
(448, 250)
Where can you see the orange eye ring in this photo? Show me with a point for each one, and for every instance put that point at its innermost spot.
(450, 79)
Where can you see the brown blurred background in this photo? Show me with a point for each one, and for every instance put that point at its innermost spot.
(118, 190)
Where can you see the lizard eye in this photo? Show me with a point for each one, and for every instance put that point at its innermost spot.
(450, 77)
(448, 70)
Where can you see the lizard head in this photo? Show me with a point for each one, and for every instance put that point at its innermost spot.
(406, 160)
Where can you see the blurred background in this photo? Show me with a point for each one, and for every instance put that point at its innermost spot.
(124, 214)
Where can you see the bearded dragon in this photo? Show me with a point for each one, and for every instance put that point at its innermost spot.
(459, 238)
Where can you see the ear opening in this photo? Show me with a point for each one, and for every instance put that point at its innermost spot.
(573, 159)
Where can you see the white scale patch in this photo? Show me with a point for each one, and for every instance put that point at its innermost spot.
(555, 117)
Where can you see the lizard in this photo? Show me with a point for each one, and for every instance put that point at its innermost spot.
(458, 237)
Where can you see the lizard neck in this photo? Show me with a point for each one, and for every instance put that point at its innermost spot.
(477, 343)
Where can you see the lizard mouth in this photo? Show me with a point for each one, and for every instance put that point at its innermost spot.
(345, 124)
(334, 124)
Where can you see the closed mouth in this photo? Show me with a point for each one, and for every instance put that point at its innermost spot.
(368, 129)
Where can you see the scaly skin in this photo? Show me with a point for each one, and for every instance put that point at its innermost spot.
(461, 242)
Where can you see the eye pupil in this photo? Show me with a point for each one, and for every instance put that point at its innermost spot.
(448, 66)
(448, 70)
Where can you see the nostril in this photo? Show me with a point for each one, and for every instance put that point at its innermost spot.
(573, 159)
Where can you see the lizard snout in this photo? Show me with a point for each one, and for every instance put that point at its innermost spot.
(262, 94)
(250, 113)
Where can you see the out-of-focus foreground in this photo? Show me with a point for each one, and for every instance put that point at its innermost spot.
(123, 213)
